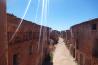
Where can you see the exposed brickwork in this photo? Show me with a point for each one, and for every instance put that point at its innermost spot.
(25, 44)
(22, 47)
(85, 36)
(3, 34)
(84, 39)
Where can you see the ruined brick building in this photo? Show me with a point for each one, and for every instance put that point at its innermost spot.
(54, 34)
(3, 33)
(85, 39)
(27, 45)
(84, 42)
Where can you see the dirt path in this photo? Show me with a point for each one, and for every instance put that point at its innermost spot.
(61, 55)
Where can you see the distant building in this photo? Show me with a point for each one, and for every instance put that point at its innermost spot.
(63, 34)
(66, 35)
(54, 35)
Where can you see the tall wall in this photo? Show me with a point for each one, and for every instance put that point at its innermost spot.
(26, 48)
(84, 38)
(3, 34)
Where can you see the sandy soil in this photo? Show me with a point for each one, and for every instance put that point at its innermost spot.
(61, 55)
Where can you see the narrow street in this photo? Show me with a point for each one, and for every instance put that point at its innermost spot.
(61, 55)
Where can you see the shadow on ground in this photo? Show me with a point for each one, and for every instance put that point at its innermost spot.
(47, 60)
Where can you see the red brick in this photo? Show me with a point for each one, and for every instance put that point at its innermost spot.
(3, 34)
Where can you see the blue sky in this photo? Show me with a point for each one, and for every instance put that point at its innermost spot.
(62, 14)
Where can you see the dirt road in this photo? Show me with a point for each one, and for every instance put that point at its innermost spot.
(61, 55)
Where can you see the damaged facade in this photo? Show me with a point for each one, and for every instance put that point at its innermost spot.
(27, 45)
(84, 42)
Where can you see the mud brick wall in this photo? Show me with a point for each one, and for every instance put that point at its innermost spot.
(84, 37)
(25, 48)
(3, 34)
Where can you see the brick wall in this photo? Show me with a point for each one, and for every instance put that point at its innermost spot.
(25, 48)
(83, 38)
(3, 34)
